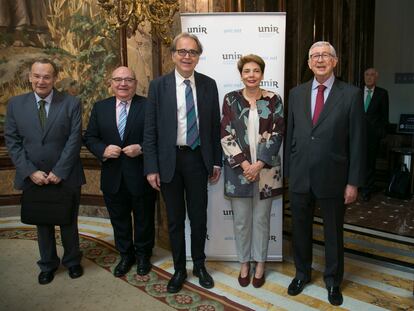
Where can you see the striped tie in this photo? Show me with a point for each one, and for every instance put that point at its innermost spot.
(42, 113)
(122, 120)
(192, 140)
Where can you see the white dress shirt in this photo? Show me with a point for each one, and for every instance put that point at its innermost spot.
(328, 83)
(119, 108)
(181, 106)
(47, 99)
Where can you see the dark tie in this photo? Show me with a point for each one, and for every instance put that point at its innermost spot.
(42, 113)
(368, 100)
(319, 103)
(192, 131)
(122, 120)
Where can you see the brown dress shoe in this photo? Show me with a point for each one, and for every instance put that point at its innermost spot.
(244, 281)
(258, 282)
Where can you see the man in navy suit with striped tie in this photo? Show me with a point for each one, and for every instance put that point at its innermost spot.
(183, 151)
(114, 135)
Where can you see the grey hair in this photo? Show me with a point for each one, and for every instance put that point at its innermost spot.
(173, 46)
(323, 43)
(46, 61)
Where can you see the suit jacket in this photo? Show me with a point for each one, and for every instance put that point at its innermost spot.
(102, 131)
(328, 156)
(55, 149)
(377, 113)
(160, 136)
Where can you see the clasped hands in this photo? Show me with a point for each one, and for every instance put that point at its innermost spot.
(114, 151)
(41, 178)
(251, 171)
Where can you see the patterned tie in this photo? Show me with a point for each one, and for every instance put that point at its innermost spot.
(193, 140)
(368, 100)
(122, 120)
(319, 103)
(42, 113)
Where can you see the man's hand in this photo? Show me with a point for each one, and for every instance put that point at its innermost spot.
(154, 181)
(216, 175)
(53, 179)
(39, 178)
(112, 152)
(132, 151)
(350, 194)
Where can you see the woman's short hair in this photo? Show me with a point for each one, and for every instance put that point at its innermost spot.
(248, 59)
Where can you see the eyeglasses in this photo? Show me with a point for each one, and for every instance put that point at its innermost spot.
(126, 80)
(324, 56)
(184, 52)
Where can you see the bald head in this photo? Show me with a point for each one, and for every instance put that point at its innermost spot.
(123, 83)
(370, 77)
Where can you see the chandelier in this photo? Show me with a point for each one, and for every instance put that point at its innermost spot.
(128, 14)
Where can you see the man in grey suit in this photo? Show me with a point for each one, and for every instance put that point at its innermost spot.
(182, 151)
(43, 137)
(325, 153)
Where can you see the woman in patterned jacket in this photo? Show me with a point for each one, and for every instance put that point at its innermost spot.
(252, 131)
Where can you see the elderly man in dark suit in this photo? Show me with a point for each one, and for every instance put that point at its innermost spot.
(182, 151)
(114, 135)
(325, 152)
(43, 136)
(376, 113)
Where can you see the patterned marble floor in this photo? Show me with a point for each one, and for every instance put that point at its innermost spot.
(368, 284)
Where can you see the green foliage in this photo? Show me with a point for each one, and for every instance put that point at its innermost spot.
(96, 55)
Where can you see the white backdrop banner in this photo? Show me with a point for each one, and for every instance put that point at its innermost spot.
(225, 38)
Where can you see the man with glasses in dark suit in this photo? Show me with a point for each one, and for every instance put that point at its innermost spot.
(325, 153)
(114, 135)
(183, 151)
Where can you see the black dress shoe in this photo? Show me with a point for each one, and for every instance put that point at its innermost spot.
(124, 266)
(75, 271)
(204, 278)
(334, 295)
(45, 277)
(366, 197)
(296, 287)
(175, 284)
(143, 266)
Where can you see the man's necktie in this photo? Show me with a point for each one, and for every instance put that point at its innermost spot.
(368, 100)
(319, 103)
(42, 113)
(192, 131)
(122, 120)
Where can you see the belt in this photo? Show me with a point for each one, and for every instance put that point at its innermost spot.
(185, 148)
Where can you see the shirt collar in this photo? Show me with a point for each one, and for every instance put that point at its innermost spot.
(47, 99)
(366, 89)
(179, 79)
(118, 102)
(328, 83)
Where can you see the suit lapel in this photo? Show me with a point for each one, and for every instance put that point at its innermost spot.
(200, 95)
(374, 100)
(308, 102)
(112, 117)
(33, 111)
(134, 110)
(333, 98)
(54, 110)
(171, 97)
